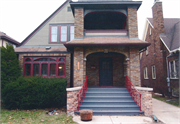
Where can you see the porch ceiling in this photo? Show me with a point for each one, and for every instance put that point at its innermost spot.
(107, 41)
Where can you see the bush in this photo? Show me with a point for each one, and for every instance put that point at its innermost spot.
(10, 69)
(35, 92)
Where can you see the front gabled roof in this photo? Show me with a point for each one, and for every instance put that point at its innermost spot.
(170, 37)
(42, 24)
(8, 38)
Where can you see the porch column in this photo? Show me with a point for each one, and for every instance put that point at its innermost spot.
(78, 66)
(135, 66)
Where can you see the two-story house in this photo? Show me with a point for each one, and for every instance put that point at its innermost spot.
(160, 61)
(5, 39)
(93, 38)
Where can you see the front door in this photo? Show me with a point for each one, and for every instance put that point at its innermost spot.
(105, 72)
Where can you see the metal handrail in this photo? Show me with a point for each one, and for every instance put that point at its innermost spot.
(82, 93)
(135, 94)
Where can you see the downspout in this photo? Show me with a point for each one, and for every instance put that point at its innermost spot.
(168, 76)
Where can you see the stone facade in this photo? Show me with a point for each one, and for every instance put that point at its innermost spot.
(68, 63)
(146, 100)
(132, 23)
(72, 100)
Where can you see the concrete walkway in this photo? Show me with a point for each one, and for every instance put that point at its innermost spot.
(115, 120)
(167, 113)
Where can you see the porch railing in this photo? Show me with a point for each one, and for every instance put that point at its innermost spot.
(82, 93)
(135, 94)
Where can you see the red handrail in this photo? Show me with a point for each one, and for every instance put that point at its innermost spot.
(82, 93)
(135, 94)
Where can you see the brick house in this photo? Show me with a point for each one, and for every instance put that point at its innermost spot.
(160, 62)
(97, 39)
(5, 39)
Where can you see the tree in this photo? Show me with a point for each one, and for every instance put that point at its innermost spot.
(10, 69)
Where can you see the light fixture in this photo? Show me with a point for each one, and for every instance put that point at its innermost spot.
(47, 48)
(60, 67)
(127, 59)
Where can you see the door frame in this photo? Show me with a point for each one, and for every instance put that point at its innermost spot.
(99, 73)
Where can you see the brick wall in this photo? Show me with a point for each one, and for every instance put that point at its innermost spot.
(78, 66)
(68, 64)
(79, 23)
(132, 23)
(134, 65)
(118, 69)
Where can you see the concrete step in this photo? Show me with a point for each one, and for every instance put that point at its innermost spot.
(107, 94)
(108, 102)
(108, 97)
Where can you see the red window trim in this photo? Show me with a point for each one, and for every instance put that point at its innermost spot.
(51, 34)
(66, 34)
(57, 62)
(70, 32)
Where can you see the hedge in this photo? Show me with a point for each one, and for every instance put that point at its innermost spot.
(35, 92)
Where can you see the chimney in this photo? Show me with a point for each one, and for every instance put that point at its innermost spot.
(158, 20)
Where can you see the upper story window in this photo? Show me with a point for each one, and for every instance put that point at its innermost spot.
(54, 33)
(61, 33)
(174, 69)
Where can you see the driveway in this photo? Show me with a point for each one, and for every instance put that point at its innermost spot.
(167, 113)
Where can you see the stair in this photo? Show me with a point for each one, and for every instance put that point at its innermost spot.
(110, 101)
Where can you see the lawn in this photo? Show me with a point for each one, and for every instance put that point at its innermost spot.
(34, 117)
(173, 101)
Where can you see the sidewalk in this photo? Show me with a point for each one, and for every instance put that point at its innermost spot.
(167, 113)
(115, 120)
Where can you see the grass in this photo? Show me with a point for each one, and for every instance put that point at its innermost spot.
(173, 101)
(34, 117)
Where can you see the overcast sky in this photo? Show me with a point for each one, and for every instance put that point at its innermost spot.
(19, 18)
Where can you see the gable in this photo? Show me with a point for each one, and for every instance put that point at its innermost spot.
(41, 35)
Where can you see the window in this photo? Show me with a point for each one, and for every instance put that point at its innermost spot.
(69, 9)
(153, 72)
(45, 66)
(147, 52)
(150, 31)
(145, 73)
(63, 35)
(174, 69)
(54, 33)
(71, 33)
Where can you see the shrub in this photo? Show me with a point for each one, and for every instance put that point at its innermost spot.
(10, 69)
(35, 92)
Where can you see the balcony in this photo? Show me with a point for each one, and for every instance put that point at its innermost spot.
(106, 33)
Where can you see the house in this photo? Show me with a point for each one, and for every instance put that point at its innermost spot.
(5, 39)
(160, 61)
(97, 39)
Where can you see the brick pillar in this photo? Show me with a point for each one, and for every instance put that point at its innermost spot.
(132, 23)
(135, 67)
(79, 23)
(158, 20)
(78, 66)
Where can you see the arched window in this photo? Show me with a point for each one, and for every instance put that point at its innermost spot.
(45, 66)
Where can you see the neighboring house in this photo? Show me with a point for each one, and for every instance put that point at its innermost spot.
(94, 38)
(160, 61)
(5, 39)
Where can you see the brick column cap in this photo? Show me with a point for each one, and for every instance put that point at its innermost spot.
(144, 89)
(73, 89)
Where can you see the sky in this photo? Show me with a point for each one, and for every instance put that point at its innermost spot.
(19, 18)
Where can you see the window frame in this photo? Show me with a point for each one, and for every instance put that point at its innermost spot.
(147, 51)
(56, 62)
(175, 70)
(70, 32)
(146, 74)
(51, 34)
(153, 74)
(66, 34)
